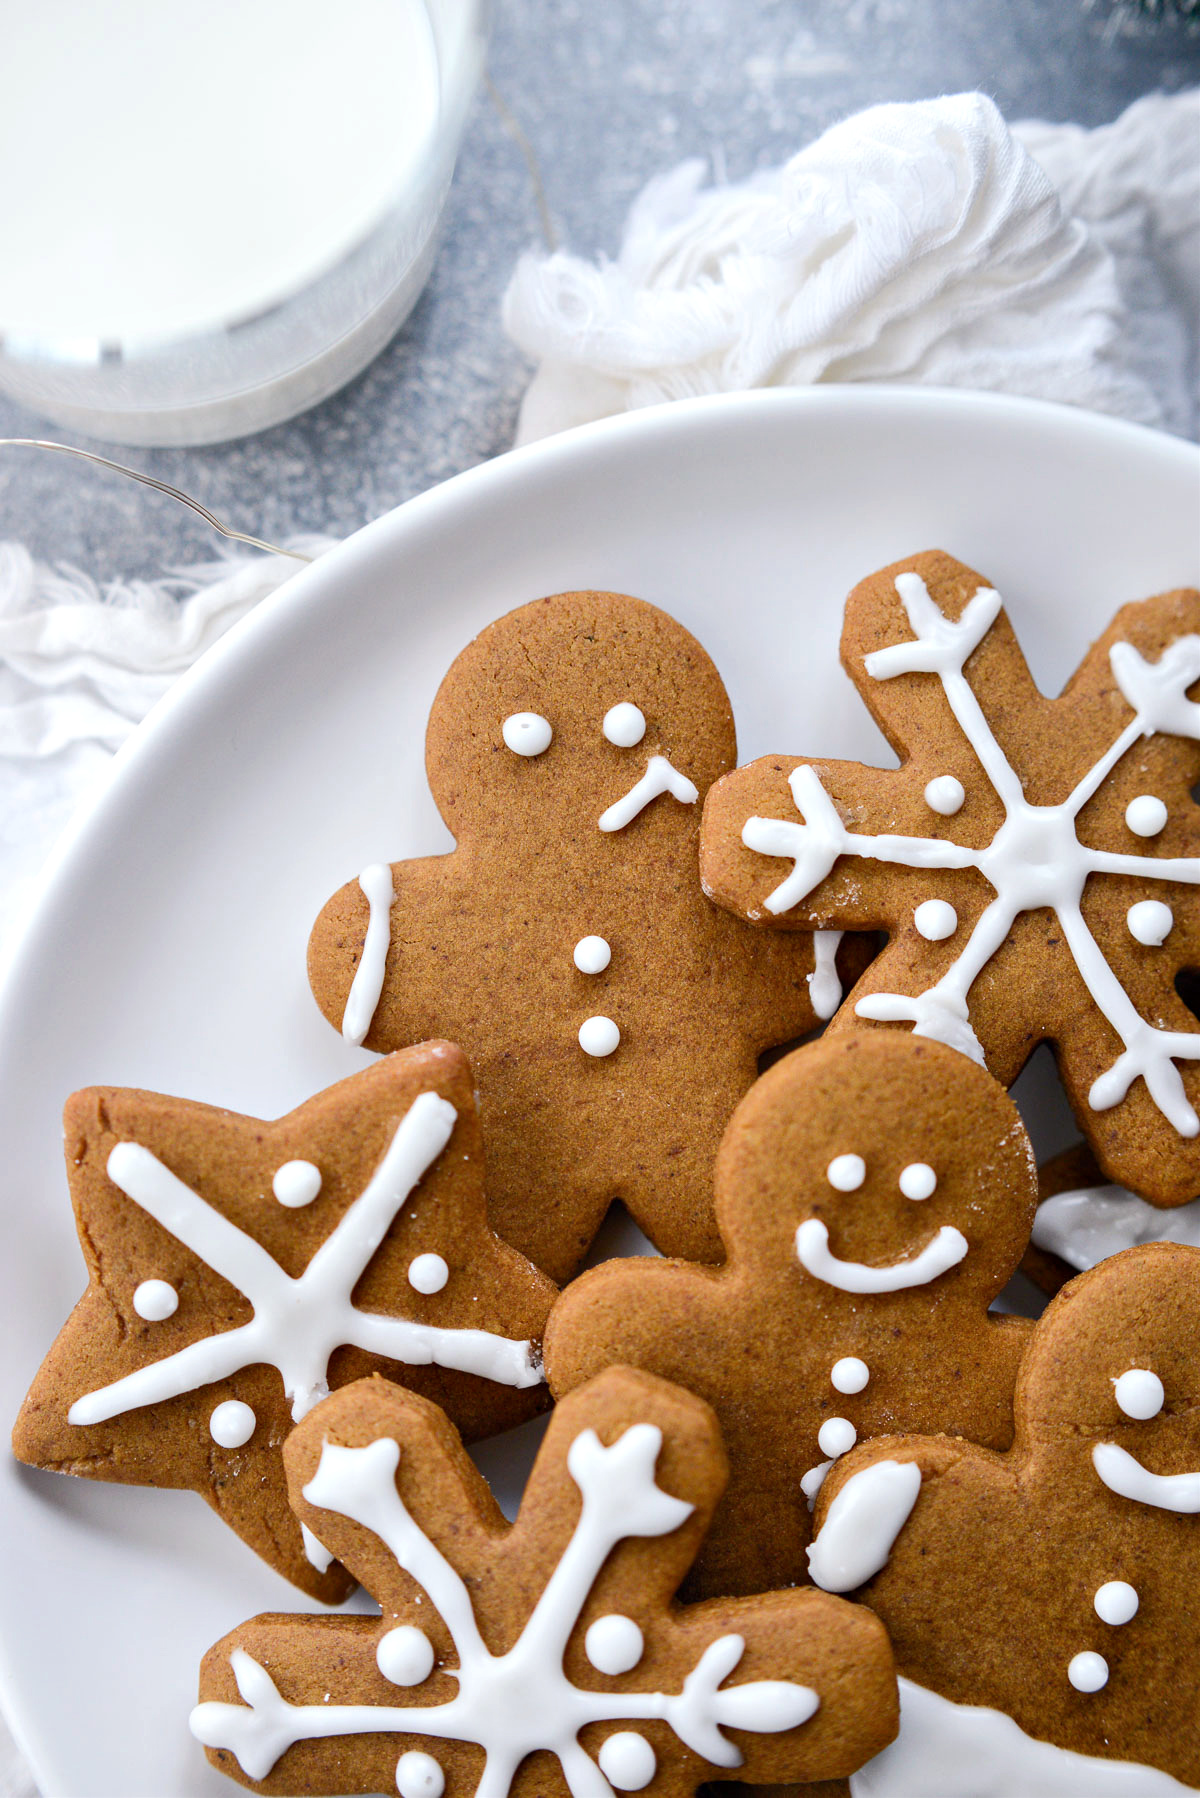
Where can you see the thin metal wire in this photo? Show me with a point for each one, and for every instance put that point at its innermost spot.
(148, 480)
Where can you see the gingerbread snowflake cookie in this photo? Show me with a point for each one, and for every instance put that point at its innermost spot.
(240, 1269)
(613, 1016)
(874, 1194)
(542, 1659)
(1053, 1587)
(1034, 860)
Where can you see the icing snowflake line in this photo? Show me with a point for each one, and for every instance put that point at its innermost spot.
(1035, 858)
(299, 1322)
(512, 1704)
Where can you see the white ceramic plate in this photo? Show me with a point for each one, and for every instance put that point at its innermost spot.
(168, 950)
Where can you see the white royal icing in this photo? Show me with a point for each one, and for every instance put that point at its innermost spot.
(298, 1323)
(946, 795)
(1150, 922)
(942, 1252)
(862, 1523)
(1088, 1671)
(1116, 1602)
(365, 988)
(846, 1173)
(1093, 1222)
(614, 1644)
(624, 725)
(527, 733)
(598, 1036)
(660, 777)
(824, 984)
(947, 1750)
(1146, 816)
(296, 1183)
(918, 1180)
(428, 1273)
(315, 1552)
(849, 1374)
(1126, 1476)
(519, 1702)
(405, 1655)
(232, 1424)
(1035, 859)
(836, 1436)
(627, 1761)
(418, 1775)
(812, 1481)
(156, 1300)
(592, 955)
(935, 920)
(1139, 1393)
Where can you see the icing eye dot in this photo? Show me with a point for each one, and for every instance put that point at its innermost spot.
(296, 1183)
(1088, 1672)
(849, 1375)
(614, 1644)
(419, 1776)
(598, 1036)
(945, 795)
(1116, 1602)
(155, 1300)
(405, 1655)
(427, 1273)
(846, 1173)
(918, 1180)
(935, 920)
(624, 725)
(592, 955)
(836, 1436)
(527, 733)
(1150, 922)
(1146, 815)
(627, 1761)
(232, 1424)
(1139, 1393)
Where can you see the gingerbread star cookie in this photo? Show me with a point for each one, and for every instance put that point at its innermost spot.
(1034, 861)
(546, 1658)
(874, 1193)
(613, 1016)
(1054, 1587)
(240, 1269)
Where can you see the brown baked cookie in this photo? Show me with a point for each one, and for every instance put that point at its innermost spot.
(1057, 1584)
(239, 1269)
(1034, 860)
(545, 1657)
(874, 1193)
(612, 1015)
(1082, 1219)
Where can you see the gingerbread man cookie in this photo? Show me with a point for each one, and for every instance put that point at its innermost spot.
(544, 1658)
(1054, 1587)
(612, 1015)
(874, 1193)
(239, 1269)
(1082, 1219)
(1034, 860)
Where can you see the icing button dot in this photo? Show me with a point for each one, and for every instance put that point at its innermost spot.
(296, 1183)
(592, 955)
(527, 733)
(598, 1036)
(935, 920)
(849, 1374)
(846, 1173)
(1116, 1602)
(155, 1300)
(918, 1180)
(427, 1273)
(627, 1761)
(945, 795)
(624, 725)
(1088, 1672)
(1150, 922)
(405, 1655)
(1139, 1393)
(232, 1424)
(419, 1776)
(614, 1644)
(1146, 815)
(836, 1436)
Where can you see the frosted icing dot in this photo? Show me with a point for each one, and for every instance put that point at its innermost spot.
(846, 1173)
(627, 1761)
(849, 1374)
(527, 733)
(1088, 1672)
(598, 1036)
(945, 795)
(1116, 1602)
(1139, 1393)
(624, 725)
(935, 920)
(419, 1776)
(836, 1436)
(1146, 815)
(155, 1300)
(405, 1655)
(592, 955)
(296, 1183)
(1150, 922)
(232, 1423)
(427, 1273)
(918, 1180)
(614, 1644)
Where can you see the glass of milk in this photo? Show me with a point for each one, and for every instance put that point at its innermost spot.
(214, 213)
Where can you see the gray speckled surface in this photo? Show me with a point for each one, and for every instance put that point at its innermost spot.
(608, 95)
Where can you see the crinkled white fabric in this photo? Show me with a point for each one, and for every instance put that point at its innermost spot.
(916, 243)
